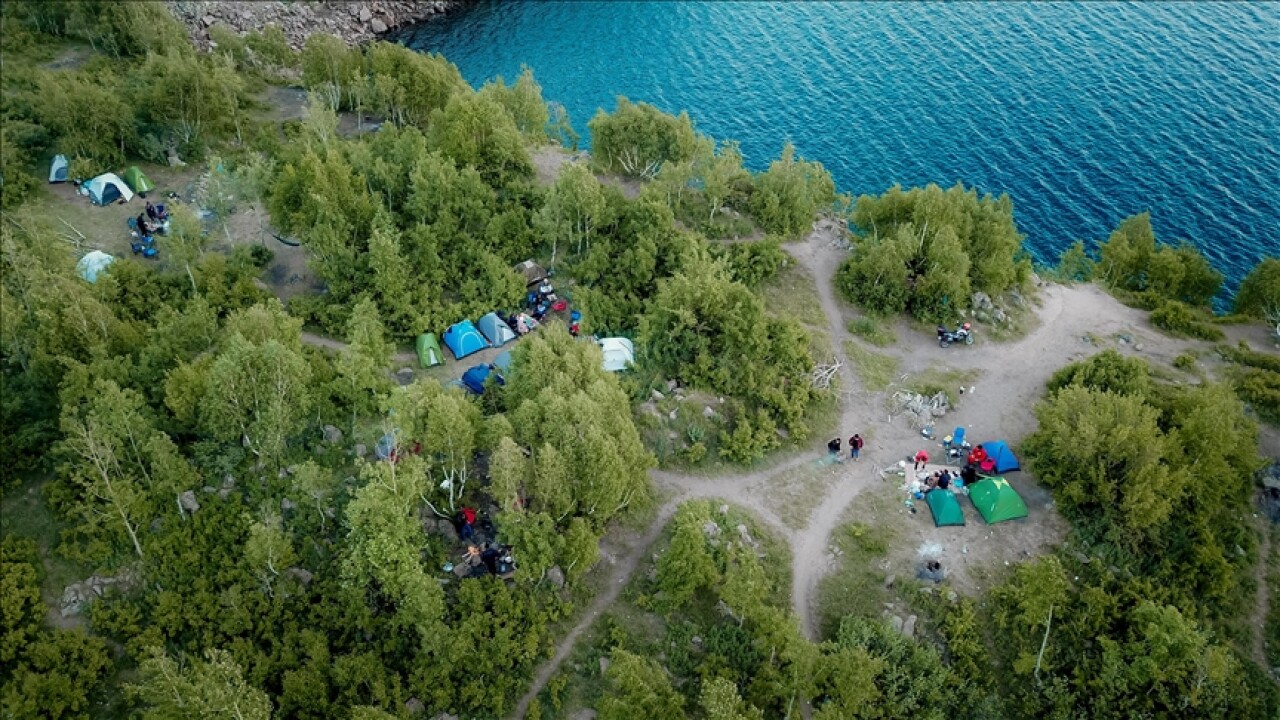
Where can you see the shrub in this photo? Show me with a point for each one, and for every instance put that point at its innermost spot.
(637, 139)
(1177, 318)
(1259, 294)
(1185, 361)
(790, 193)
(1132, 260)
(872, 330)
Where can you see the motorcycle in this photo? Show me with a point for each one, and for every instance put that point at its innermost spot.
(961, 334)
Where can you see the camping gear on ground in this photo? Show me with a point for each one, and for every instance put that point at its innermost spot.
(532, 272)
(464, 339)
(138, 182)
(92, 264)
(1000, 456)
(106, 189)
(503, 361)
(58, 169)
(619, 353)
(960, 334)
(996, 500)
(496, 330)
(475, 378)
(560, 305)
(945, 508)
(429, 353)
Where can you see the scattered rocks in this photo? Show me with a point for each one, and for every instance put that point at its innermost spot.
(189, 502)
(404, 376)
(711, 529)
(657, 396)
(360, 450)
(555, 576)
(709, 414)
(724, 509)
(896, 622)
(1138, 347)
(414, 706)
(604, 664)
(287, 505)
(303, 575)
(674, 413)
(353, 22)
(672, 385)
(889, 581)
(77, 596)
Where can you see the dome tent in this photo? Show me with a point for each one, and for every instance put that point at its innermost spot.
(58, 169)
(140, 183)
(106, 189)
(496, 329)
(996, 500)
(92, 265)
(619, 353)
(944, 507)
(463, 339)
(429, 353)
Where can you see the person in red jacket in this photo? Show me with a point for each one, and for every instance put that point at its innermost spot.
(855, 446)
(922, 459)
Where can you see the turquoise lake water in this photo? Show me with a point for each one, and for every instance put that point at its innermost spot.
(1084, 113)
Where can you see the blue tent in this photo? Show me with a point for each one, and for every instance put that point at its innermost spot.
(503, 361)
(463, 339)
(475, 378)
(1000, 454)
(496, 329)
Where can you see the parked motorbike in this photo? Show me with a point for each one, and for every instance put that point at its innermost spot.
(961, 334)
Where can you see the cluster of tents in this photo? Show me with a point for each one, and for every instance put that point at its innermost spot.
(467, 338)
(107, 187)
(995, 500)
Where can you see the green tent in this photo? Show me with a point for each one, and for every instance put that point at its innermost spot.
(996, 500)
(429, 351)
(945, 508)
(138, 182)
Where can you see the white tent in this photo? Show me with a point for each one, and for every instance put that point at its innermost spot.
(619, 353)
(106, 189)
(58, 169)
(92, 264)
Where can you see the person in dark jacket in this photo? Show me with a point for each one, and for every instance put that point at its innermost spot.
(855, 446)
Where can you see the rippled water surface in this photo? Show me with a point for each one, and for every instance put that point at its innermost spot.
(1084, 113)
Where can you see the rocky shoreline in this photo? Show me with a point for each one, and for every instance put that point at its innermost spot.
(355, 22)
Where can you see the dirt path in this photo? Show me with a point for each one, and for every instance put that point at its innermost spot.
(614, 582)
(399, 358)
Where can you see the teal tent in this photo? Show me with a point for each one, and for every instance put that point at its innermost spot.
(945, 508)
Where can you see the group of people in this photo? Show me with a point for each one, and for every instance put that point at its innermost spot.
(488, 558)
(152, 220)
(855, 447)
(522, 323)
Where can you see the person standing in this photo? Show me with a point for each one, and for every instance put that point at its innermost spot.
(922, 459)
(855, 446)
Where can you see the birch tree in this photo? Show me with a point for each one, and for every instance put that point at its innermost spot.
(213, 687)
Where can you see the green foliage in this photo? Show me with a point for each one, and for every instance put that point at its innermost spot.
(752, 263)
(1111, 651)
(211, 687)
(686, 566)
(871, 664)
(406, 86)
(477, 131)
(872, 330)
(928, 249)
(1159, 478)
(638, 690)
(638, 139)
(1075, 265)
(790, 193)
(1259, 294)
(43, 672)
(1132, 260)
(712, 332)
(523, 101)
(1256, 381)
(1178, 318)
